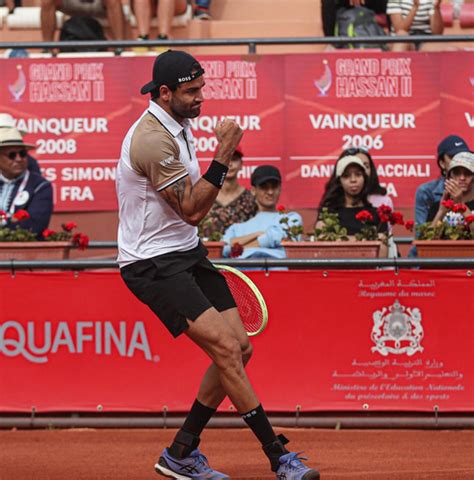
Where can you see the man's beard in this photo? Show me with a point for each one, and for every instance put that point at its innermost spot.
(184, 112)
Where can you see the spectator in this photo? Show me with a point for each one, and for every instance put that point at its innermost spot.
(431, 192)
(234, 203)
(201, 9)
(346, 194)
(261, 236)
(329, 9)
(7, 121)
(165, 10)
(459, 187)
(414, 17)
(21, 189)
(110, 9)
(377, 194)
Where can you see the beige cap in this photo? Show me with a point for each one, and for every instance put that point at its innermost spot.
(7, 121)
(462, 159)
(11, 137)
(344, 162)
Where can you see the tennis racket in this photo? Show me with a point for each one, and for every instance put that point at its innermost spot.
(250, 302)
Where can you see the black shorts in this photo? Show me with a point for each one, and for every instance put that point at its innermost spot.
(178, 286)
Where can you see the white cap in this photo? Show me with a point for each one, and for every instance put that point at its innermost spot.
(344, 162)
(11, 137)
(462, 159)
(7, 121)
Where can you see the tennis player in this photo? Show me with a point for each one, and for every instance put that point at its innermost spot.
(162, 197)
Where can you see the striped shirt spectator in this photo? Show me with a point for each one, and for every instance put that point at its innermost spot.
(421, 23)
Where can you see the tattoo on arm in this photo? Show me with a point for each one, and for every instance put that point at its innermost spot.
(175, 196)
(178, 190)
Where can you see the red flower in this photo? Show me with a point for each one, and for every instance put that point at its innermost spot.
(449, 204)
(3, 214)
(81, 241)
(364, 216)
(47, 233)
(384, 209)
(20, 215)
(409, 224)
(68, 227)
(469, 219)
(459, 208)
(236, 250)
(384, 212)
(281, 208)
(396, 218)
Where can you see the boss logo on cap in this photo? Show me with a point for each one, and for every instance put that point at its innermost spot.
(184, 79)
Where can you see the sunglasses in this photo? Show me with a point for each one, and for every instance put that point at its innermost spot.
(21, 153)
(356, 150)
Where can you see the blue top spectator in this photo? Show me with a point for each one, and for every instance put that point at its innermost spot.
(261, 236)
(431, 192)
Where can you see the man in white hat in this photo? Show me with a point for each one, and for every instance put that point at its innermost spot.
(7, 121)
(21, 189)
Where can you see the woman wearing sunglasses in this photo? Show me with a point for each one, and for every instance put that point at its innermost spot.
(21, 189)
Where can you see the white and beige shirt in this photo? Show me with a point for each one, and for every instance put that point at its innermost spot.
(156, 152)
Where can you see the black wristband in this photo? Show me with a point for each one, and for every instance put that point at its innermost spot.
(216, 173)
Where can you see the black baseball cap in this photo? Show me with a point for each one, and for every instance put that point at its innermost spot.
(264, 173)
(172, 68)
(452, 145)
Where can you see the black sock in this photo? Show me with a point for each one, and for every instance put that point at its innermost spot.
(198, 417)
(258, 422)
(187, 438)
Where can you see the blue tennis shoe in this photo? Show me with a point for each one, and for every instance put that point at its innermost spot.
(292, 468)
(195, 466)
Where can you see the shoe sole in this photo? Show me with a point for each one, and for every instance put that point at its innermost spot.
(160, 470)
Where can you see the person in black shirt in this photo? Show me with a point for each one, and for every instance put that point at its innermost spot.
(347, 194)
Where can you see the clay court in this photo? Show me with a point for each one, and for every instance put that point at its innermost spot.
(86, 454)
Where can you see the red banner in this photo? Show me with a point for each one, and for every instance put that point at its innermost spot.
(376, 340)
(298, 112)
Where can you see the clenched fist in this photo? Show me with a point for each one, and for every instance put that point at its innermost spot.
(228, 133)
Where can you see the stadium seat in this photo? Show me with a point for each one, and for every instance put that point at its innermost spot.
(30, 18)
(447, 12)
(178, 20)
(27, 18)
(3, 15)
(466, 17)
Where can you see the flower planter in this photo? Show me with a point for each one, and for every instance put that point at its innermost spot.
(34, 250)
(444, 248)
(214, 249)
(337, 249)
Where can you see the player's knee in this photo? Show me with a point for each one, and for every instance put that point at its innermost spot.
(247, 351)
(228, 354)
